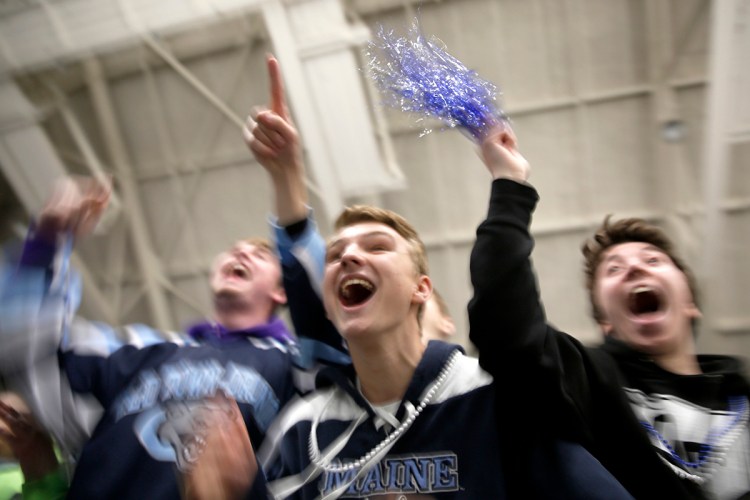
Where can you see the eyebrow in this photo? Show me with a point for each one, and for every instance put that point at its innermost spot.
(251, 249)
(648, 248)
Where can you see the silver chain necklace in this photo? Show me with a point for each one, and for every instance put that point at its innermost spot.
(390, 439)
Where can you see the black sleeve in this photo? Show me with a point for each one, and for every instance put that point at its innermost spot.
(534, 365)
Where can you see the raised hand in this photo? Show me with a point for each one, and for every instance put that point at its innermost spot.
(500, 154)
(274, 141)
(226, 467)
(76, 205)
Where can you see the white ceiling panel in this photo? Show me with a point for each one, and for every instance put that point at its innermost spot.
(622, 156)
(558, 254)
(614, 43)
(557, 151)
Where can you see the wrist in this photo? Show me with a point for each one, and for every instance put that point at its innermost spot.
(511, 176)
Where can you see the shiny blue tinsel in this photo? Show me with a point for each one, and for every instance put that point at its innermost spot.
(418, 76)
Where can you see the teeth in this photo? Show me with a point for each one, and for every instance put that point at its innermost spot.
(348, 283)
(239, 269)
(641, 289)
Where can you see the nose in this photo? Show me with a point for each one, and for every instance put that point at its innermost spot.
(351, 255)
(635, 269)
(240, 255)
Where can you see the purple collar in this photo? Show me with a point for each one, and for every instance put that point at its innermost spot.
(207, 330)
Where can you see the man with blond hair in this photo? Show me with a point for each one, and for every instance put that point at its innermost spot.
(405, 419)
(159, 391)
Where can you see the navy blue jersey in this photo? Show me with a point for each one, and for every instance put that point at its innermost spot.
(154, 388)
(448, 437)
(431, 456)
(155, 399)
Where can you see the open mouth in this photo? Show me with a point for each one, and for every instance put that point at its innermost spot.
(355, 291)
(237, 270)
(644, 300)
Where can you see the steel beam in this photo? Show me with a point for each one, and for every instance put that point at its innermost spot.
(145, 256)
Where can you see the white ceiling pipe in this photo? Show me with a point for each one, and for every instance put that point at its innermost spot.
(150, 267)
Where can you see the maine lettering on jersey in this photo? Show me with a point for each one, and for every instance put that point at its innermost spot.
(433, 473)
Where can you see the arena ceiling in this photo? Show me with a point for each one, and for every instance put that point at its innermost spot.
(630, 107)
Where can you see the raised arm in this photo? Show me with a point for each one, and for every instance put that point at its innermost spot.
(506, 317)
(499, 151)
(274, 141)
(75, 207)
(40, 295)
(50, 356)
(505, 310)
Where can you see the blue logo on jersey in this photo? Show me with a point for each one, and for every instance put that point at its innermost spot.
(414, 474)
(171, 403)
(190, 380)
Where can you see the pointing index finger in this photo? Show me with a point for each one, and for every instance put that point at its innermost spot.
(278, 104)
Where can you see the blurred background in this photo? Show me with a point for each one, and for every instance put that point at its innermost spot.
(629, 107)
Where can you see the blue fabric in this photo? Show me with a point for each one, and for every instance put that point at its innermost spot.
(459, 437)
(152, 385)
(302, 263)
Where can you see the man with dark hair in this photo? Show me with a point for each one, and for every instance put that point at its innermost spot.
(666, 422)
(631, 230)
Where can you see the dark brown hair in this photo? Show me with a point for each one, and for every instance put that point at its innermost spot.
(610, 234)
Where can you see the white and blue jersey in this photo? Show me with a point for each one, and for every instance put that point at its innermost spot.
(444, 439)
(154, 387)
(155, 399)
(432, 457)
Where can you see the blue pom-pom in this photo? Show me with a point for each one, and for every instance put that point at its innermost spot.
(416, 75)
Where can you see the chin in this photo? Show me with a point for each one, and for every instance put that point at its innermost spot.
(228, 295)
(351, 330)
(224, 293)
(653, 345)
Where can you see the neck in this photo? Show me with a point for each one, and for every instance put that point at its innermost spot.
(681, 361)
(385, 369)
(679, 364)
(240, 318)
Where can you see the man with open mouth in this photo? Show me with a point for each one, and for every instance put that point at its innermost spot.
(667, 422)
(155, 387)
(406, 419)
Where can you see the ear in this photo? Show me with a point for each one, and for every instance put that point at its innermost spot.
(279, 295)
(693, 312)
(422, 290)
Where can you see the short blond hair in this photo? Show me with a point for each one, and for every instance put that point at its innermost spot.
(357, 214)
(263, 243)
